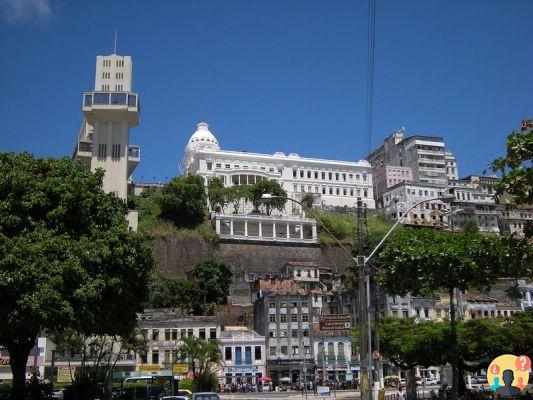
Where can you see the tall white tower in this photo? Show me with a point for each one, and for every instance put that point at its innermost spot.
(109, 113)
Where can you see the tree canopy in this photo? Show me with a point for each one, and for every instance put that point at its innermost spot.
(516, 167)
(217, 194)
(67, 259)
(213, 278)
(175, 292)
(469, 225)
(268, 187)
(183, 200)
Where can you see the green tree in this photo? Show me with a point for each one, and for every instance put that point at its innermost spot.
(236, 195)
(308, 199)
(217, 194)
(203, 357)
(408, 343)
(183, 200)
(214, 279)
(268, 187)
(175, 292)
(67, 259)
(425, 261)
(516, 168)
(469, 225)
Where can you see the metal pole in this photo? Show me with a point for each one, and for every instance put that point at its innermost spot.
(363, 302)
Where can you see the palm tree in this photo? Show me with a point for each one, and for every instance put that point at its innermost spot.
(202, 355)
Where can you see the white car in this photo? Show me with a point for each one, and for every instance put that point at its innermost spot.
(432, 381)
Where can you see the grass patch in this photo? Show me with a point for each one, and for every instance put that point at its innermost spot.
(152, 226)
(344, 227)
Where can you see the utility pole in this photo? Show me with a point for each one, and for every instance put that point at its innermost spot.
(364, 344)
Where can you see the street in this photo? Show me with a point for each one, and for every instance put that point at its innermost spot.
(339, 394)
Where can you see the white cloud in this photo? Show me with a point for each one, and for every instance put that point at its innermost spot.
(16, 11)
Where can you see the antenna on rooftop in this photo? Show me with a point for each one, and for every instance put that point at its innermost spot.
(115, 48)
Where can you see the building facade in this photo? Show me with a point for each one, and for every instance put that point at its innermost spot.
(163, 330)
(387, 176)
(110, 111)
(243, 356)
(284, 318)
(425, 155)
(451, 165)
(333, 183)
(400, 197)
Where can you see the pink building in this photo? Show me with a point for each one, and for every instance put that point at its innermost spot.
(386, 176)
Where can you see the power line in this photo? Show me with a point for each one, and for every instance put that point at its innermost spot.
(370, 72)
(482, 157)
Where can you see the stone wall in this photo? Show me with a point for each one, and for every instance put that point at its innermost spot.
(248, 259)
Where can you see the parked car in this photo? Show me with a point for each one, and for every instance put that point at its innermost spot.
(205, 396)
(174, 398)
(432, 381)
(479, 379)
(184, 392)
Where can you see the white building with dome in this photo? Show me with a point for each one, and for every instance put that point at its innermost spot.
(333, 184)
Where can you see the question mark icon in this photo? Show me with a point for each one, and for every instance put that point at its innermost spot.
(523, 363)
(495, 369)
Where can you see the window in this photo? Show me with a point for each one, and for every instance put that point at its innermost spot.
(283, 333)
(337, 191)
(174, 334)
(272, 318)
(323, 190)
(227, 353)
(308, 174)
(283, 304)
(272, 334)
(330, 175)
(209, 166)
(118, 88)
(323, 175)
(344, 192)
(155, 357)
(294, 303)
(119, 75)
(283, 318)
(294, 318)
(294, 173)
(316, 174)
(218, 165)
(155, 334)
(212, 333)
(167, 334)
(305, 303)
(305, 332)
(283, 350)
(305, 318)
(344, 177)
(227, 166)
(238, 355)
(307, 350)
(115, 151)
(257, 353)
(248, 355)
(295, 350)
(102, 150)
(330, 190)
(294, 333)
(202, 333)
(167, 356)
(301, 173)
(351, 192)
(272, 350)
(190, 333)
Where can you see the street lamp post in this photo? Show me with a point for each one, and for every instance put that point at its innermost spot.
(365, 334)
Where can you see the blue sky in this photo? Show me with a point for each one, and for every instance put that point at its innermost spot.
(271, 75)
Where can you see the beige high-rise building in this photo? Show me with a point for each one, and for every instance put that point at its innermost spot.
(109, 111)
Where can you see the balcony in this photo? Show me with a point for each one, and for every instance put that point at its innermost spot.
(265, 228)
(112, 105)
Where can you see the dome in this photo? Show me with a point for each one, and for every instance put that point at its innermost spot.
(202, 138)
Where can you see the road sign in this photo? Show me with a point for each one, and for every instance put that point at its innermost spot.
(323, 391)
(376, 355)
(335, 322)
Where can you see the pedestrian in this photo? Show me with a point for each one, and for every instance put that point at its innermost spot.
(400, 395)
